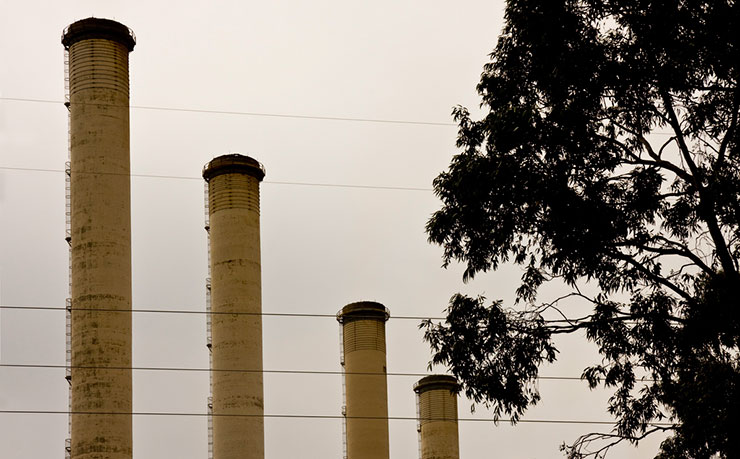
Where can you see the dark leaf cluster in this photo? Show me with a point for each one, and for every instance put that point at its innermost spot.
(519, 342)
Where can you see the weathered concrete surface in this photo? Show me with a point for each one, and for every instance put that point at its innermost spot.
(100, 242)
(366, 394)
(236, 287)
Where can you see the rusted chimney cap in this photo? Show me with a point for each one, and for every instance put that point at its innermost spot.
(433, 382)
(363, 310)
(233, 164)
(107, 29)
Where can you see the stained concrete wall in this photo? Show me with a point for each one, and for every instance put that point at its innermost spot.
(100, 239)
(363, 335)
(438, 417)
(233, 195)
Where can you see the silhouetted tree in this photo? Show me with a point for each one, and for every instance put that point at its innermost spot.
(608, 154)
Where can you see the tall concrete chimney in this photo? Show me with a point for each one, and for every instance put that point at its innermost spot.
(100, 238)
(236, 287)
(366, 393)
(437, 416)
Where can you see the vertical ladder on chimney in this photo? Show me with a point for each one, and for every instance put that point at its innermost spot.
(344, 392)
(418, 420)
(68, 343)
(209, 322)
(210, 427)
(66, 77)
(68, 238)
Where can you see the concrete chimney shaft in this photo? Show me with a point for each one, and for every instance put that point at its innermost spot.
(100, 238)
(236, 287)
(438, 417)
(363, 332)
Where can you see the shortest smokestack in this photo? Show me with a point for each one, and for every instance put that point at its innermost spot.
(437, 405)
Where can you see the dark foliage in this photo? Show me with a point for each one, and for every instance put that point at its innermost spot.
(609, 154)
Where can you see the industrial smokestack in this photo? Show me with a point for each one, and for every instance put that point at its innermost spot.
(366, 394)
(100, 238)
(437, 417)
(236, 304)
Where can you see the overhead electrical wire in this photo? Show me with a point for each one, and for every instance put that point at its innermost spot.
(228, 313)
(268, 182)
(200, 312)
(239, 370)
(263, 114)
(243, 113)
(318, 416)
(214, 370)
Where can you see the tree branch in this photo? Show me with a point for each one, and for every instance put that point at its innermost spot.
(574, 451)
(706, 203)
(677, 249)
(657, 162)
(657, 279)
(730, 131)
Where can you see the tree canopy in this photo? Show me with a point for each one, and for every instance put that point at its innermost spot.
(608, 155)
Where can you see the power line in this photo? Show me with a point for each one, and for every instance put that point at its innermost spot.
(227, 313)
(238, 370)
(316, 416)
(207, 370)
(243, 113)
(37, 169)
(268, 182)
(261, 114)
(201, 312)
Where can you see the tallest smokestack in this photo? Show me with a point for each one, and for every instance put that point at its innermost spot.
(100, 238)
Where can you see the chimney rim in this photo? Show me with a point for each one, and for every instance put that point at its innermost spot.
(92, 27)
(363, 310)
(233, 163)
(433, 382)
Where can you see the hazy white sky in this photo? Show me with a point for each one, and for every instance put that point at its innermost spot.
(322, 247)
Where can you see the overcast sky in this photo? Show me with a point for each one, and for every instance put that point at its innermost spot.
(322, 246)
